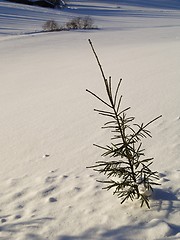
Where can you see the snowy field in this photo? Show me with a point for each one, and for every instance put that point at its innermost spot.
(47, 123)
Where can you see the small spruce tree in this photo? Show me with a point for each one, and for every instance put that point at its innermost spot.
(127, 169)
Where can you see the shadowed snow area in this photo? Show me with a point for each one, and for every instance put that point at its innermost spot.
(48, 127)
(20, 19)
(164, 4)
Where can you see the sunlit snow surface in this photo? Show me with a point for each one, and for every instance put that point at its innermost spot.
(47, 123)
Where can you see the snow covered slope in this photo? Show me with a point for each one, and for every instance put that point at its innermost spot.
(47, 123)
(18, 19)
(166, 4)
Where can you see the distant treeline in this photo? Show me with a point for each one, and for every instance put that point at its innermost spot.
(42, 3)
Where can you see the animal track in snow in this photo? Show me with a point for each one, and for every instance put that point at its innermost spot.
(19, 194)
(48, 191)
(18, 216)
(52, 199)
(50, 179)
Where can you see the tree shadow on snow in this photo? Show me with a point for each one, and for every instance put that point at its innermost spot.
(164, 194)
(122, 233)
(32, 225)
(162, 200)
(166, 200)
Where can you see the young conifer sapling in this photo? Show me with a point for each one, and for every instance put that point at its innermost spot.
(127, 169)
